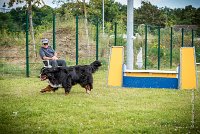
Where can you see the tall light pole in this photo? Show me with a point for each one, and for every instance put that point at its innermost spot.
(130, 31)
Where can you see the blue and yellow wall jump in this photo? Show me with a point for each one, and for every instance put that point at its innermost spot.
(183, 78)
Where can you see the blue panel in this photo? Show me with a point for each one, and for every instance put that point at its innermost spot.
(150, 82)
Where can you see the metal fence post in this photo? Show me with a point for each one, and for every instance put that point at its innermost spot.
(97, 39)
(27, 48)
(171, 41)
(182, 44)
(158, 48)
(76, 39)
(145, 47)
(115, 32)
(192, 38)
(54, 31)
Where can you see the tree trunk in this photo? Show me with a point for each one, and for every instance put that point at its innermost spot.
(31, 27)
(86, 26)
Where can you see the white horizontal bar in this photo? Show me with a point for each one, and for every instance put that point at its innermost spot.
(150, 71)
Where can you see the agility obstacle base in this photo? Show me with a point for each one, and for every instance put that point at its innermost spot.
(184, 77)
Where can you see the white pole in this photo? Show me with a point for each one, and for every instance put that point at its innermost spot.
(130, 54)
(103, 15)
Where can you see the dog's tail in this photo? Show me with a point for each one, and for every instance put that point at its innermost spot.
(95, 65)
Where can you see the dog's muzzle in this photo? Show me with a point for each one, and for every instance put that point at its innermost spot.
(43, 77)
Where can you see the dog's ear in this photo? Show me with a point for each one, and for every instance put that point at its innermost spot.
(48, 70)
(42, 69)
(98, 63)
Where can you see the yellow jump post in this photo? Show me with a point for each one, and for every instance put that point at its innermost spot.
(188, 74)
(115, 66)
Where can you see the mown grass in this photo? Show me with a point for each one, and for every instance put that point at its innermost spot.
(23, 109)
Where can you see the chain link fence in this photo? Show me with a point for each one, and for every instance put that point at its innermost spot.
(75, 39)
(160, 46)
(79, 41)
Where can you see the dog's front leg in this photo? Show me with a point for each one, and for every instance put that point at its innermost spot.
(67, 89)
(88, 89)
(47, 89)
(91, 86)
(67, 86)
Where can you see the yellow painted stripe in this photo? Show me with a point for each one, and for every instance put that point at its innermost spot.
(115, 66)
(188, 79)
(150, 74)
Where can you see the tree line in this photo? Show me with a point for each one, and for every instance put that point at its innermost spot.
(114, 12)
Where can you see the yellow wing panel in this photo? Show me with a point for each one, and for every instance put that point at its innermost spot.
(115, 66)
(188, 78)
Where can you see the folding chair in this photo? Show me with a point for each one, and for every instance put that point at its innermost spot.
(47, 64)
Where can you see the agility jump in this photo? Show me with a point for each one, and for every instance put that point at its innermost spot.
(184, 77)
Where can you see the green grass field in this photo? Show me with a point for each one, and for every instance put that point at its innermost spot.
(23, 109)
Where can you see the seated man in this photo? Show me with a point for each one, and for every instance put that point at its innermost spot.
(47, 53)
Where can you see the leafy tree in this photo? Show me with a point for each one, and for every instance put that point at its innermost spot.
(29, 4)
(5, 21)
(111, 10)
(187, 15)
(149, 14)
(114, 12)
(18, 16)
(170, 18)
(196, 19)
(42, 15)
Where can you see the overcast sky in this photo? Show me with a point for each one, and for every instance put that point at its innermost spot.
(137, 3)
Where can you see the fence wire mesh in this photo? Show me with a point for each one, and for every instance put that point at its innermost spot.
(90, 37)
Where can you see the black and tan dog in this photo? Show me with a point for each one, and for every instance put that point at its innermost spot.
(66, 77)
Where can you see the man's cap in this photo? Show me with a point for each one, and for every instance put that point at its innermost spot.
(45, 41)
